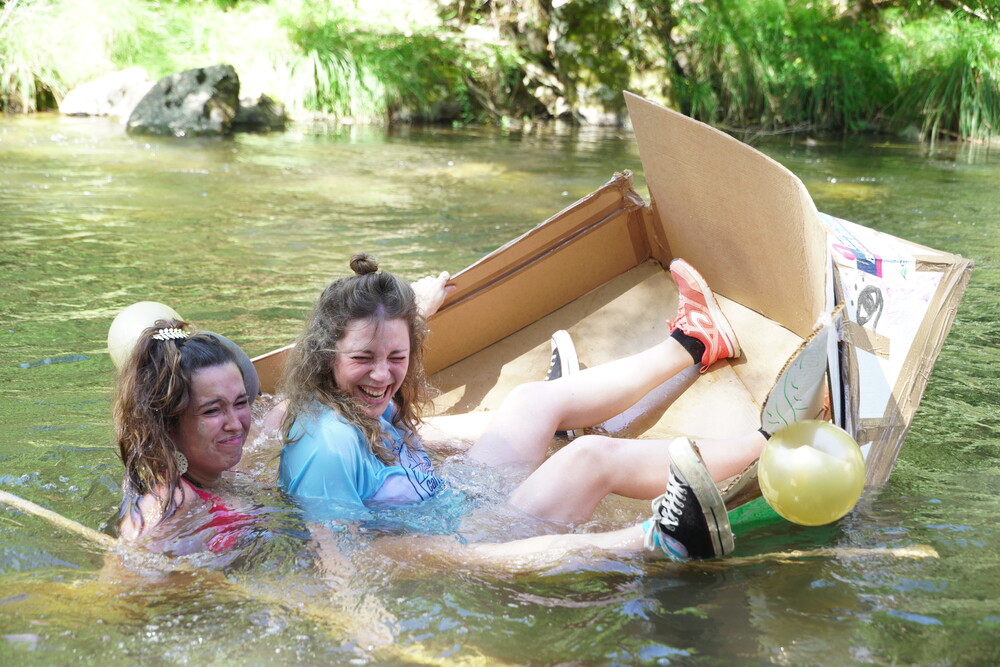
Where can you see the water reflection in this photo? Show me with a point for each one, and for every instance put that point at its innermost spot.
(240, 234)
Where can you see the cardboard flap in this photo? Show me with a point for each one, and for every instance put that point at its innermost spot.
(802, 391)
(746, 222)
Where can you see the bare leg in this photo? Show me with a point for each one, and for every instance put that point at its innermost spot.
(554, 546)
(523, 427)
(453, 432)
(568, 486)
(526, 555)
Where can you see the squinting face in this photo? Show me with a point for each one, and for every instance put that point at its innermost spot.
(211, 430)
(371, 361)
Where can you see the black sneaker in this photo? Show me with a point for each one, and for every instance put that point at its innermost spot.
(562, 363)
(690, 519)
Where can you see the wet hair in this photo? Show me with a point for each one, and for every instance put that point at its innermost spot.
(151, 394)
(309, 380)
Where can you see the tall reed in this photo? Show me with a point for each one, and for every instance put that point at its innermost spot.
(48, 46)
(313, 55)
(949, 73)
(772, 64)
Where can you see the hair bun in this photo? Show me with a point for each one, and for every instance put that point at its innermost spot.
(363, 263)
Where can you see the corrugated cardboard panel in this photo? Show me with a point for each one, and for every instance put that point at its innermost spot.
(615, 196)
(596, 239)
(745, 221)
(532, 291)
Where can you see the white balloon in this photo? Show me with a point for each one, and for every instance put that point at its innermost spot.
(132, 321)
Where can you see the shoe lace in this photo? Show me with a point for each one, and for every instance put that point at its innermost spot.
(667, 511)
(668, 508)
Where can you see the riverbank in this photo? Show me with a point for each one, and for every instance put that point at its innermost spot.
(760, 65)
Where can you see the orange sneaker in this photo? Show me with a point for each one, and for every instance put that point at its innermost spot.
(699, 315)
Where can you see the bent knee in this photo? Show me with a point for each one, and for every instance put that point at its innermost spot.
(528, 393)
(600, 450)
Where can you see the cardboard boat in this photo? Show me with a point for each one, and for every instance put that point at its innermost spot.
(780, 269)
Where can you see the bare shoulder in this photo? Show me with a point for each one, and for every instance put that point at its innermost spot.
(136, 525)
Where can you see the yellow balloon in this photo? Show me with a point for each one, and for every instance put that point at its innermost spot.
(811, 472)
(131, 322)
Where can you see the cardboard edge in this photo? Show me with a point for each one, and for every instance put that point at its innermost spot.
(593, 240)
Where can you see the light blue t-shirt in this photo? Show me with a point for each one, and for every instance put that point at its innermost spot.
(329, 460)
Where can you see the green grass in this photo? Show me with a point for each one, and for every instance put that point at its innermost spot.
(312, 56)
(773, 64)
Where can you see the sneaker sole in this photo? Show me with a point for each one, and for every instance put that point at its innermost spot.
(714, 309)
(683, 454)
(568, 364)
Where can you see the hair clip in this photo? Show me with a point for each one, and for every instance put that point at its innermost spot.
(171, 333)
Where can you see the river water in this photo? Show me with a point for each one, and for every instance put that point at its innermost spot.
(239, 236)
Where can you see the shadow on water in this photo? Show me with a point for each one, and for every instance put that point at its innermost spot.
(240, 234)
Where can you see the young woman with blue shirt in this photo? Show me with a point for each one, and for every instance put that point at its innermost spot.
(355, 389)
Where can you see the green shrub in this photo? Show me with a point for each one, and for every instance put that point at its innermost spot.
(762, 64)
(312, 55)
(604, 47)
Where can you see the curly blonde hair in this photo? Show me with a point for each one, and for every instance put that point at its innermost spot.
(309, 380)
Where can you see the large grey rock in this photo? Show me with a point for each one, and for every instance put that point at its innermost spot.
(196, 102)
(115, 94)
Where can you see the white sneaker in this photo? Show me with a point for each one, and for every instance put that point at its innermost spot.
(562, 363)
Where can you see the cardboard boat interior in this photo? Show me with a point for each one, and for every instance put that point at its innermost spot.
(598, 269)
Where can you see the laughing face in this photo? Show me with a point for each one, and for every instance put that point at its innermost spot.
(211, 430)
(371, 361)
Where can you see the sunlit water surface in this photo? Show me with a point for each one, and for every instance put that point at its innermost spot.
(239, 236)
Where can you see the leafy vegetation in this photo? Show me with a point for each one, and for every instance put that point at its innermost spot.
(760, 64)
(776, 66)
(949, 77)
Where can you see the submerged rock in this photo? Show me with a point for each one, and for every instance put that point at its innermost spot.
(196, 102)
(260, 115)
(115, 94)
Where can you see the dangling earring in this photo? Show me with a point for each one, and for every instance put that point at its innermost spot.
(181, 461)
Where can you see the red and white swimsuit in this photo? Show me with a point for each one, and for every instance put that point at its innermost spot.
(229, 524)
